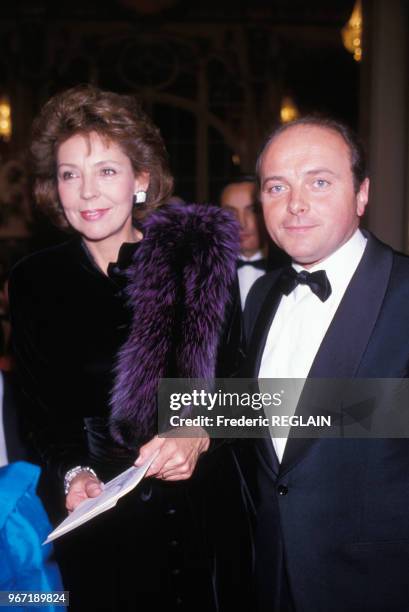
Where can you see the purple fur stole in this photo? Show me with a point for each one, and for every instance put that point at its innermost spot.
(178, 285)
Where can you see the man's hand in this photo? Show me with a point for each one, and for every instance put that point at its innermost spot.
(82, 487)
(177, 457)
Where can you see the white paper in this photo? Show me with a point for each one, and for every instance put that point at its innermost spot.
(112, 491)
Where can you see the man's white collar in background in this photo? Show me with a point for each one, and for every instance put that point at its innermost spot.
(248, 275)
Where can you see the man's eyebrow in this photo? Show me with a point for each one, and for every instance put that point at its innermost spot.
(315, 171)
(274, 177)
(312, 172)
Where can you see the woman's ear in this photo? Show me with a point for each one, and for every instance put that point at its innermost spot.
(142, 181)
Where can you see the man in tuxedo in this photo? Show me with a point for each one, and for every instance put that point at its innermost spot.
(256, 256)
(333, 514)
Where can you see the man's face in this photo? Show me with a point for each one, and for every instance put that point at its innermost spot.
(240, 198)
(307, 192)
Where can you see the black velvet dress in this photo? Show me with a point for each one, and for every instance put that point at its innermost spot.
(164, 544)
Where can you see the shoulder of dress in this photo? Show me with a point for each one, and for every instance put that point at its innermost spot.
(46, 255)
(40, 264)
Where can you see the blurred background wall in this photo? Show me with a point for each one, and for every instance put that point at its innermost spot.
(215, 76)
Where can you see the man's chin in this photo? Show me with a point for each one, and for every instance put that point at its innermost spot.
(305, 261)
(248, 250)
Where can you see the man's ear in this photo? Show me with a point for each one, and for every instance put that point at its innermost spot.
(362, 197)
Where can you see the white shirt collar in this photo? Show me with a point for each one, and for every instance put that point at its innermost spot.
(341, 265)
(255, 257)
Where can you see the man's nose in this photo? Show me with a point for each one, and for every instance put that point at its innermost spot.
(243, 220)
(89, 187)
(240, 219)
(297, 203)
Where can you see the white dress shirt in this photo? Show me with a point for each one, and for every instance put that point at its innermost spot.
(248, 275)
(302, 320)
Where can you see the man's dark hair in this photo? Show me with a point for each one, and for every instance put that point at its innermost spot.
(351, 139)
(244, 178)
(237, 180)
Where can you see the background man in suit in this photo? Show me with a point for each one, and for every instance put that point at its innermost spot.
(333, 514)
(241, 199)
(257, 254)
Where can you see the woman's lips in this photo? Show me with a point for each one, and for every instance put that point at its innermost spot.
(93, 215)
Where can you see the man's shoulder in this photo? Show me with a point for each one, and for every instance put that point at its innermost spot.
(399, 279)
(401, 264)
(400, 261)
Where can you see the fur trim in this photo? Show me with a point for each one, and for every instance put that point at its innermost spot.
(179, 284)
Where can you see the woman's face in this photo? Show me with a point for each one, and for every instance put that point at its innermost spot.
(96, 184)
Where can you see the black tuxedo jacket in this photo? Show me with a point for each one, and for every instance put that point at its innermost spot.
(335, 512)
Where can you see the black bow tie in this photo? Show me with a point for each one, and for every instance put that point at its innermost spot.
(259, 264)
(317, 281)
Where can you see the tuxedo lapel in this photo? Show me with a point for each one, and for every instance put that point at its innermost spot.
(345, 342)
(348, 335)
(264, 446)
(260, 332)
(267, 456)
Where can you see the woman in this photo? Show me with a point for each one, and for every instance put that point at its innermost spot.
(150, 282)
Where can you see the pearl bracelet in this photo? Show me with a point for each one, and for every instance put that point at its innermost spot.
(71, 474)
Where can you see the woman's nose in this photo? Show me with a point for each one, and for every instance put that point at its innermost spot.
(89, 187)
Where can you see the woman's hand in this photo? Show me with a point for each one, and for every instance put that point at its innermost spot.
(177, 457)
(82, 487)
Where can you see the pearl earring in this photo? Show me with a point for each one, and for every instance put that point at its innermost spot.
(139, 197)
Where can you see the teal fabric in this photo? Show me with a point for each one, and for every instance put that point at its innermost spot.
(25, 565)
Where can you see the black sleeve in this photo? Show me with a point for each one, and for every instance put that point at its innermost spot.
(17, 446)
(57, 432)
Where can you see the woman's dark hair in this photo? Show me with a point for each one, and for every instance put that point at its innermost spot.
(355, 146)
(114, 117)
